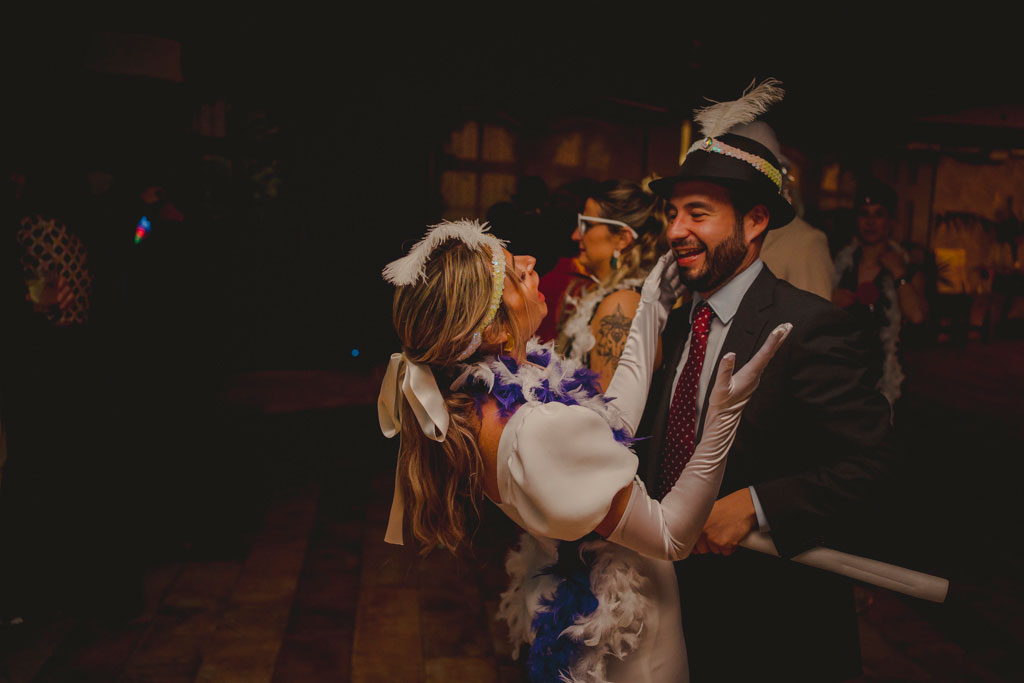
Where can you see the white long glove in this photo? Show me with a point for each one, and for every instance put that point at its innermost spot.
(669, 529)
(632, 378)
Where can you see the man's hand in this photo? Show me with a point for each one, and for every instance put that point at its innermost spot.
(894, 263)
(731, 519)
(844, 298)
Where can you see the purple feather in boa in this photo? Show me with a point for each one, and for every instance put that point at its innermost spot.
(510, 395)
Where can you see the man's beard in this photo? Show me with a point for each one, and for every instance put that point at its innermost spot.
(720, 263)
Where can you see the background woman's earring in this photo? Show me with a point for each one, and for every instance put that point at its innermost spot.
(615, 259)
(509, 347)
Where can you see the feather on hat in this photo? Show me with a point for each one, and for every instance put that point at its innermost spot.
(732, 159)
(718, 118)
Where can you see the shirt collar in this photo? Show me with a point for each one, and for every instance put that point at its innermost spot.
(726, 300)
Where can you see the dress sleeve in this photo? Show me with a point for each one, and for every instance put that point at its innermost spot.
(561, 468)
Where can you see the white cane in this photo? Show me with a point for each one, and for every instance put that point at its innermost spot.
(900, 579)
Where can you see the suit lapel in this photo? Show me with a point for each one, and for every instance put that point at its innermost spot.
(746, 331)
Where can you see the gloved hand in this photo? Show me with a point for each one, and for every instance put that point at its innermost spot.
(663, 283)
(669, 529)
(732, 391)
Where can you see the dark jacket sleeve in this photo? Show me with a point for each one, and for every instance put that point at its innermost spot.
(841, 426)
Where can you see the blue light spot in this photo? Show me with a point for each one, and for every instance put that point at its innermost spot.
(355, 353)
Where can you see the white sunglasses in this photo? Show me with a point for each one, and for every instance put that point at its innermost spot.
(581, 224)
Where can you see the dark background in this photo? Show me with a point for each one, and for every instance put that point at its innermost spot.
(361, 108)
(217, 374)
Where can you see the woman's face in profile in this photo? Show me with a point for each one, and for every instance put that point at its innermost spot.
(522, 297)
(597, 243)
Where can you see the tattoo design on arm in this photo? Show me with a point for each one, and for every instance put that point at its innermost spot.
(612, 332)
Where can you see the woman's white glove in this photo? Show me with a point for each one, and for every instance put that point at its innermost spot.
(632, 378)
(732, 391)
(663, 283)
(669, 529)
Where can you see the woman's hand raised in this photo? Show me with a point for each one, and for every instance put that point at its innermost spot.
(732, 391)
(663, 283)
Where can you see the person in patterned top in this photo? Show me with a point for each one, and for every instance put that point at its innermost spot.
(55, 265)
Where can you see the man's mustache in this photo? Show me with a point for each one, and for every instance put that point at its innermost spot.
(686, 245)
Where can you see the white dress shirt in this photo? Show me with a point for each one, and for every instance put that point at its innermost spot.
(724, 302)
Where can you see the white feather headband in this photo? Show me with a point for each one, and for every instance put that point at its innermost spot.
(413, 266)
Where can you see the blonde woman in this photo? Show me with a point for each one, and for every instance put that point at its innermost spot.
(621, 234)
(484, 413)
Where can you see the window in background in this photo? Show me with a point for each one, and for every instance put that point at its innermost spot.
(480, 169)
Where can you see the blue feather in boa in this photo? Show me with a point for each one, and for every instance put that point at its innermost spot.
(551, 653)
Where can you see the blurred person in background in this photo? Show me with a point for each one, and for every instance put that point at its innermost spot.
(876, 284)
(57, 530)
(621, 233)
(567, 274)
(797, 252)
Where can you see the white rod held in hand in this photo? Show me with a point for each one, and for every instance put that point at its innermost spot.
(900, 579)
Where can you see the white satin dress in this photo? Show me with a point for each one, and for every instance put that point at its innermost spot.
(558, 468)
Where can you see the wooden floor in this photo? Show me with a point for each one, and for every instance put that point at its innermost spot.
(314, 594)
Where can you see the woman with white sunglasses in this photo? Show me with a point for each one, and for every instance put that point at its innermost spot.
(621, 233)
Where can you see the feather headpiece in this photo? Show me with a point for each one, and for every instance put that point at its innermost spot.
(717, 119)
(413, 266)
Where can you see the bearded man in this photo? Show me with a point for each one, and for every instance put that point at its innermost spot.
(814, 442)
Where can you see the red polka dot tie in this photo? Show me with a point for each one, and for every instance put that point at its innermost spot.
(680, 436)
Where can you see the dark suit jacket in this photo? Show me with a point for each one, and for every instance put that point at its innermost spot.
(815, 442)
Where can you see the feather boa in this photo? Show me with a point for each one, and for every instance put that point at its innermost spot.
(576, 330)
(891, 382)
(577, 602)
(546, 378)
(612, 628)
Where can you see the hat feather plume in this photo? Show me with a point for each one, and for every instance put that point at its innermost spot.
(717, 119)
(413, 266)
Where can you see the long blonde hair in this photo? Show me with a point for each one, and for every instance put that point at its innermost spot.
(625, 201)
(443, 481)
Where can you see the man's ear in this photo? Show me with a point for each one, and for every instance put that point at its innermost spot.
(755, 223)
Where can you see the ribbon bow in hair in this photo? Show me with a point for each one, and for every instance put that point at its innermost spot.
(417, 385)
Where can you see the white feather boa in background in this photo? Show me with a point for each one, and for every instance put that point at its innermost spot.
(891, 381)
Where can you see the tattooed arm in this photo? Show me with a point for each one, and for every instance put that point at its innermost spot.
(610, 326)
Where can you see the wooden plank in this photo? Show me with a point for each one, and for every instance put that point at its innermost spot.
(248, 638)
